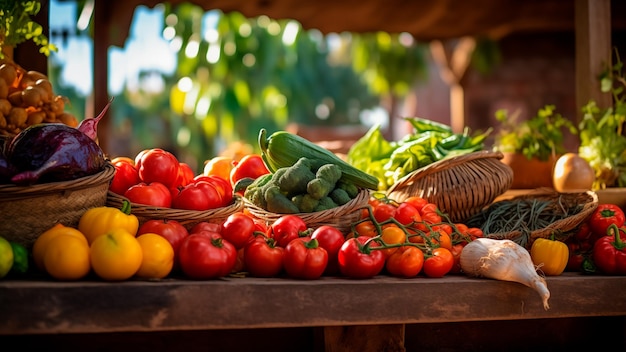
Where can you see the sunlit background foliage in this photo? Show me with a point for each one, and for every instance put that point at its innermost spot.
(234, 75)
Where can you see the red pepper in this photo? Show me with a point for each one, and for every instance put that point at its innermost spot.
(609, 252)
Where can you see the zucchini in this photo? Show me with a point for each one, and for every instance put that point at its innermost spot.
(283, 149)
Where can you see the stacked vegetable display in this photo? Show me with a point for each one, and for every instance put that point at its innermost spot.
(407, 239)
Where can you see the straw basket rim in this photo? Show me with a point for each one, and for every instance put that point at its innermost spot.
(563, 227)
(13, 192)
(460, 185)
(185, 217)
(341, 216)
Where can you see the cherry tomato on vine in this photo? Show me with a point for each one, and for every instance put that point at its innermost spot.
(392, 235)
(440, 238)
(406, 262)
(365, 228)
(439, 263)
(456, 254)
(384, 212)
(417, 202)
(305, 259)
(407, 214)
(358, 260)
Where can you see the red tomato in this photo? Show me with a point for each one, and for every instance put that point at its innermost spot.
(440, 238)
(173, 231)
(251, 165)
(206, 226)
(331, 239)
(154, 193)
(199, 195)
(287, 228)
(263, 258)
(206, 257)
(238, 229)
(417, 202)
(305, 259)
(125, 176)
(439, 263)
(358, 260)
(407, 214)
(407, 262)
(185, 174)
(429, 208)
(158, 165)
(604, 216)
(384, 212)
(223, 186)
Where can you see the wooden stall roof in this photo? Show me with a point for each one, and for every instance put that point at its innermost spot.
(425, 19)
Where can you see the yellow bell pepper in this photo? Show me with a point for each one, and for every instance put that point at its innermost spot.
(549, 256)
(97, 221)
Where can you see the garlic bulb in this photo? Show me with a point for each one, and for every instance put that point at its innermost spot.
(503, 260)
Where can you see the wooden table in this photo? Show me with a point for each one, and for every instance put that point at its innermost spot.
(330, 314)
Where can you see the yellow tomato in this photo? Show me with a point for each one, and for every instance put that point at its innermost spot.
(41, 243)
(116, 255)
(219, 166)
(67, 258)
(392, 235)
(158, 256)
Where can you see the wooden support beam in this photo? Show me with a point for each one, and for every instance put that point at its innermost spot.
(593, 50)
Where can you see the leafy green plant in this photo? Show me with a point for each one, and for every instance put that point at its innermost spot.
(602, 139)
(17, 26)
(539, 137)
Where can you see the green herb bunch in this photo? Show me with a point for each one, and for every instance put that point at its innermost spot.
(539, 137)
(602, 139)
(16, 25)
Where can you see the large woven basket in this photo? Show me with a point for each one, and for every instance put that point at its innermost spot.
(580, 205)
(340, 217)
(27, 211)
(188, 218)
(460, 186)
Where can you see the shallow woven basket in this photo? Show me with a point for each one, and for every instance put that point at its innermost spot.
(562, 229)
(27, 211)
(188, 218)
(460, 186)
(340, 217)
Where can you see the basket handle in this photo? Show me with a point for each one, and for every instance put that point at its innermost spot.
(444, 164)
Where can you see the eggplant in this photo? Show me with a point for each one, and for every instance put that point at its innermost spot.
(53, 152)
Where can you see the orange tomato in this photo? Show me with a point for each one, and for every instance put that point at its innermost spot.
(219, 166)
(417, 202)
(158, 256)
(67, 257)
(441, 239)
(365, 228)
(392, 235)
(407, 262)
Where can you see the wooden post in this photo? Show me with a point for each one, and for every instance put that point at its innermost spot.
(593, 50)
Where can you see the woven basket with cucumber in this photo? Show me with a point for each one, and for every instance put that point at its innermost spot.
(307, 180)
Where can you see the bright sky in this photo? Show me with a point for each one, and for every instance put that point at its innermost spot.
(145, 50)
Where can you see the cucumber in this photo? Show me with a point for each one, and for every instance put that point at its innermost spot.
(283, 149)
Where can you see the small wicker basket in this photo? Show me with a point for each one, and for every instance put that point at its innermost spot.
(585, 202)
(27, 211)
(187, 218)
(460, 186)
(340, 217)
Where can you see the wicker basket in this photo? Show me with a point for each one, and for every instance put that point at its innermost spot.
(460, 186)
(188, 218)
(585, 202)
(27, 211)
(340, 217)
